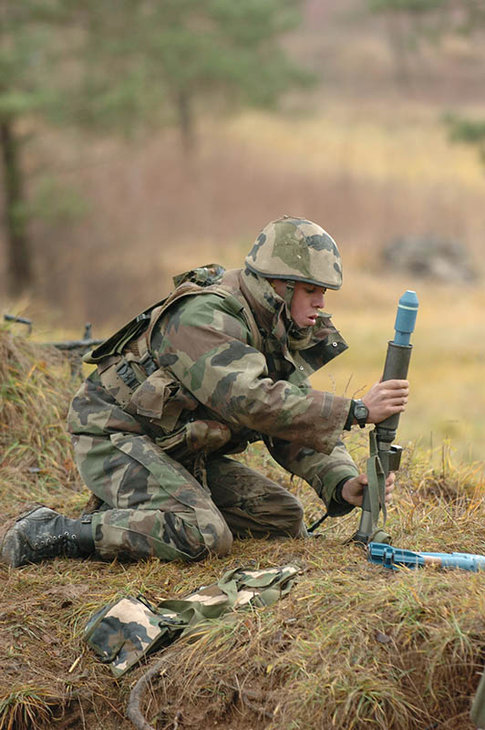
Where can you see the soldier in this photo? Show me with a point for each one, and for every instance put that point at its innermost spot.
(222, 362)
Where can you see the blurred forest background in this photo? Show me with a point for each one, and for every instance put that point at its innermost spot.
(140, 138)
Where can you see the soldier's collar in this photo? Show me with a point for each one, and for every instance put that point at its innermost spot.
(267, 305)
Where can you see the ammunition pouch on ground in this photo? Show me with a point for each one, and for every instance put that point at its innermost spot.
(124, 632)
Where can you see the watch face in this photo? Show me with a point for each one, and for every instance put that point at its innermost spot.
(361, 411)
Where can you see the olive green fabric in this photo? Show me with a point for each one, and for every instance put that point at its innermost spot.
(478, 706)
(376, 482)
(128, 629)
(374, 499)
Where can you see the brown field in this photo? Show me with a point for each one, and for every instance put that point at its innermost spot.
(366, 177)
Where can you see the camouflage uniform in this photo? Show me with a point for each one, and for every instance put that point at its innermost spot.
(226, 367)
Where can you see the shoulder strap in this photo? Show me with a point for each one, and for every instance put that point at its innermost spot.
(189, 288)
(204, 276)
(115, 344)
(125, 360)
(241, 305)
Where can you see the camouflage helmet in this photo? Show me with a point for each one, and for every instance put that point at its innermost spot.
(296, 249)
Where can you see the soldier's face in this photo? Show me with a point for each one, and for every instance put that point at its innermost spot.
(306, 302)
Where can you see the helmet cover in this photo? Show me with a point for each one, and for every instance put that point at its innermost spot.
(296, 249)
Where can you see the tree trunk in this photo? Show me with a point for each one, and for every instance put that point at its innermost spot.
(19, 264)
(186, 122)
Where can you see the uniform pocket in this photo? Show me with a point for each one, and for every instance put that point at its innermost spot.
(161, 399)
(195, 437)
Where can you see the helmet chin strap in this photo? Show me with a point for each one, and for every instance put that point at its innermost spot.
(290, 290)
(294, 331)
(287, 296)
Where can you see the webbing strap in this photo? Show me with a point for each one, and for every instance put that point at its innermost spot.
(189, 289)
(376, 474)
(376, 478)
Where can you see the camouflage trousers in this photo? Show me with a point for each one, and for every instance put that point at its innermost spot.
(152, 505)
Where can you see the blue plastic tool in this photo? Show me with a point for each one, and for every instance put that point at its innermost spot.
(407, 310)
(395, 558)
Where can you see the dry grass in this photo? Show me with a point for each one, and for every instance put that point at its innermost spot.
(352, 646)
(369, 174)
(35, 388)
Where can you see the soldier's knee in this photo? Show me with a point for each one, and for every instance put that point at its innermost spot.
(298, 523)
(222, 543)
(288, 519)
(294, 519)
(214, 539)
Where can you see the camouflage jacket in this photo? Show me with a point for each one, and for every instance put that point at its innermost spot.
(220, 383)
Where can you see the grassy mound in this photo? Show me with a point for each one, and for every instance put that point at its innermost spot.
(352, 646)
(36, 458)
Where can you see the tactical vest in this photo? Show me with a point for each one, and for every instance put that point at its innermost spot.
(125, 362)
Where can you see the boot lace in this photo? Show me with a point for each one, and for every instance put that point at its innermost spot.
(52, 546)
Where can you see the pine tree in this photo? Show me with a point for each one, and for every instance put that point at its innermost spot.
(127, 66)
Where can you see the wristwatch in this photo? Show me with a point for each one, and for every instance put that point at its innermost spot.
(361, 412)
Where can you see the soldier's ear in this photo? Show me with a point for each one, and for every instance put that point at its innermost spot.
(279, 285)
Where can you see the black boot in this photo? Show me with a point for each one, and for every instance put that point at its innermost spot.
(42, 533)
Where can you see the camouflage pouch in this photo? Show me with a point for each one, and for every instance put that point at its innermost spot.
(126, 630)
(161, 399)
(194, 438)
(202, 276)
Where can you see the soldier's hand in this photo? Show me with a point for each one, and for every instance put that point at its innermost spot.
(386, 398)
(352, 490)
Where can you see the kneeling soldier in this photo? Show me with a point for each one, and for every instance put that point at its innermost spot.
(223, 361)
